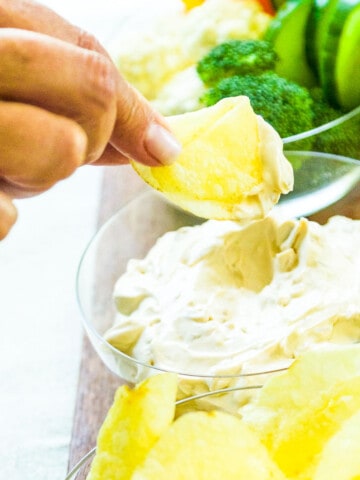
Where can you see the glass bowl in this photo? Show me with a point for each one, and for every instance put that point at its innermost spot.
(131, 233)
(206, 401)
(321, 179)
(326, 174)
(81, 469)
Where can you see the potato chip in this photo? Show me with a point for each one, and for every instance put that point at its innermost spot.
(133, 424)
(208, 446)
(310, 373)
(301, 436)
(220, 163)
(298, 411)
(340, 458)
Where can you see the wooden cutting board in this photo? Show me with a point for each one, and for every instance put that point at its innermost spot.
(96, 384)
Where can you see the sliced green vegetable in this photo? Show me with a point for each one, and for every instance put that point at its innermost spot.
(347, 69)
(331, 30)
(287, 33)
(317, 11)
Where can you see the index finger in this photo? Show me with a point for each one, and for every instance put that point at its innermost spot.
(140, 132)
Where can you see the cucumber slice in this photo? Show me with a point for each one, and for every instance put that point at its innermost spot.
(347, 69)
(312, 33)
(287, 34)
(331, 31)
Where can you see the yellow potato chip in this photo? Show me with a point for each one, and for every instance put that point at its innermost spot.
(220, 163)
(297, 411)
(301, 436)
(133, 424)
(310, 373)
(340, 458)
(208, 446)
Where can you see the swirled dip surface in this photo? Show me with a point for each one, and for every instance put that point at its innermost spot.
(225, 299)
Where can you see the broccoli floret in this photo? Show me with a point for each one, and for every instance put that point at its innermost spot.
(236, 57)
(284, 104)
(340, 140)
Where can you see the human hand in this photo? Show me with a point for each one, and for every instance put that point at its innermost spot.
(63, 104)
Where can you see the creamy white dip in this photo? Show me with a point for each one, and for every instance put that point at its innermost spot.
(225, 299)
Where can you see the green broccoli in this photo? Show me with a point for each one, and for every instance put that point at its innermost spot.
(284, 104)
(340, 140)
(236, 57)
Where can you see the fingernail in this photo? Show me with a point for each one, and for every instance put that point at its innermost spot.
(161, 144)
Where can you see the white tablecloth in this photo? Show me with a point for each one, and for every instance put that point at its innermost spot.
(41, 327)
(40, 321)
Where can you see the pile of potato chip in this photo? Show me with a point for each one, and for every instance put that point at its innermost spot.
(303, 425)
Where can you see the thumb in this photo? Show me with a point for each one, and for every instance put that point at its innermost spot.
(140, 133)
